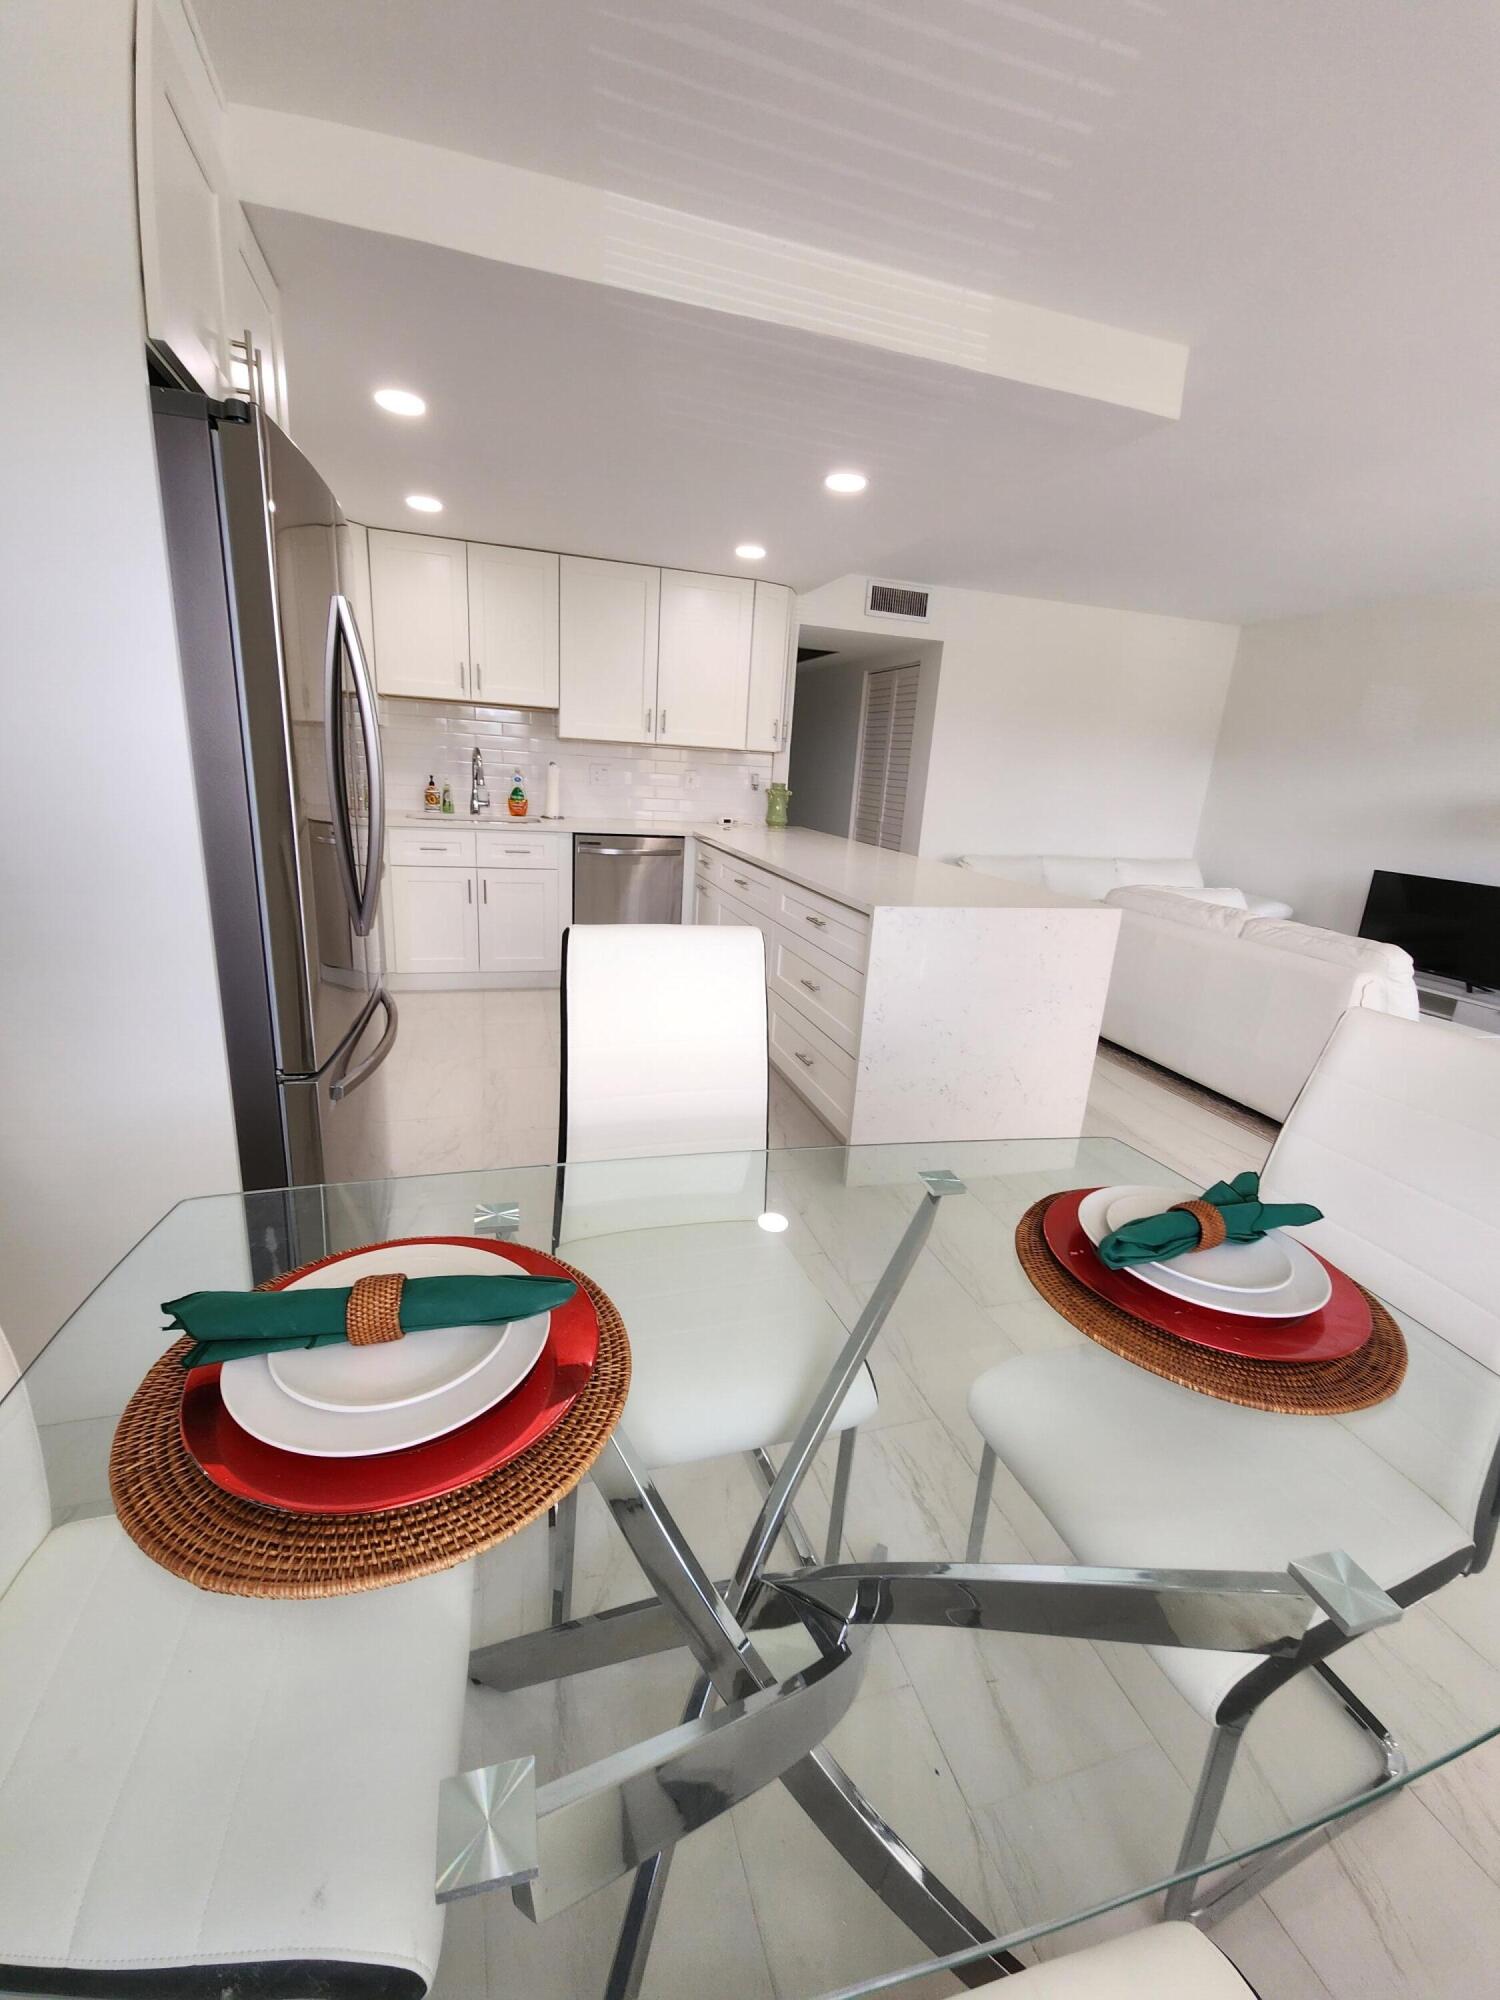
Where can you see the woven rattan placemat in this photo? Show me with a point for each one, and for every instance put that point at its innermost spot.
(1291, 1388)
(170, 1507)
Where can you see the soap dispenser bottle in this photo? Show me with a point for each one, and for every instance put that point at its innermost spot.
(517, 804)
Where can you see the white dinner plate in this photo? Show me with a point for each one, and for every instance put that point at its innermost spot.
(393, 1372)
(1264, 1266)
(259, 1405)
(1305, 1289)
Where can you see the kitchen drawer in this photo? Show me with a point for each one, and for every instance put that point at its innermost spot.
(733, 911)
(499, 849)
(821, 1070)
(843, 932)
(415, 847)
(738, 878)
(820, 987)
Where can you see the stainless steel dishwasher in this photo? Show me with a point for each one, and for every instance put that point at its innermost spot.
(627, 878)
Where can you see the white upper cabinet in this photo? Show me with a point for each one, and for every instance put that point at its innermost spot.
(419, 585)
(513, 625)
(609, 616)
(209, 294)
(769, 643)
(703, 667)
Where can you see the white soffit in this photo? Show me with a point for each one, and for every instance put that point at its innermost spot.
(374, 181)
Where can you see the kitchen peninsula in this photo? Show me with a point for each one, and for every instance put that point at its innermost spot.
(907, 1000)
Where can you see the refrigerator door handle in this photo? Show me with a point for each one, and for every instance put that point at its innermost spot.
(344, 1080)
(363, 907)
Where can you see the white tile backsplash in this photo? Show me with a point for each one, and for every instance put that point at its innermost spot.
(659, 781)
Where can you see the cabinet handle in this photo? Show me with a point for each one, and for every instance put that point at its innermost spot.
(740, 882)
(649, 713)
(803, 1058)
(463, 675)
(775, 730)
(478, 675)
(662, 726)
(486, 887)
(811, 985)
(432, 850)
(469, 885)
(518, 850)
(818, 923)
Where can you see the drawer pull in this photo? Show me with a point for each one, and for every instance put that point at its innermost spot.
(740, 882)
(811, 985)
(818, 923)
(518, 850)
(434, 850)
(803, 1058)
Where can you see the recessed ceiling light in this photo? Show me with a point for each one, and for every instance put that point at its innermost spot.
(846, 482)
(424, 503)
(401, 402)
(749, 551)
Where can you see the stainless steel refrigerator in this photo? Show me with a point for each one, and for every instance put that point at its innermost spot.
(286, 754)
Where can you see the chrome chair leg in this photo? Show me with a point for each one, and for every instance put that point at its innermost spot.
(839, 1501)
(1213, 1782)
(562, 1534)
(982, 1492)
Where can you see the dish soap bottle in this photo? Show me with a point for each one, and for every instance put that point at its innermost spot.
(447, 806)
(432, 798)
(517, 804)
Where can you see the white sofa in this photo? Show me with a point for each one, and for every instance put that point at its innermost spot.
(1096, 874)
(1241, 1003)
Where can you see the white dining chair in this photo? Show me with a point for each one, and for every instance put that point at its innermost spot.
(665, 1066)
(1396, 1137)
(1166, 1962)
(202, 1794)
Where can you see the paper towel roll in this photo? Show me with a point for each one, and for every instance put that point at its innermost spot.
(553, 807)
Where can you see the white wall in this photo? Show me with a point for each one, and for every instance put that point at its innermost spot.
(1059, 728)
(1358, 740)
(114, 1097)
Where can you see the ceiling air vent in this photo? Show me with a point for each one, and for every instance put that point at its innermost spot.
(895, 600)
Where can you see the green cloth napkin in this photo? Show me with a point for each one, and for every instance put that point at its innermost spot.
(1246, 1218)
(229, 1325)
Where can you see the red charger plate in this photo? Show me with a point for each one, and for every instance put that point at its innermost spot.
(1341, 1327)
(242, 1464)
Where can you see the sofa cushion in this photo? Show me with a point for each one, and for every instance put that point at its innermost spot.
(1092, 875)
(1231, 899)
(1388, 961)
(1180, 906)
(1174, 872)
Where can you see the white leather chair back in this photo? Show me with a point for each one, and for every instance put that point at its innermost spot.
(1396, 1137)
(664, 1053)
(25, 1512)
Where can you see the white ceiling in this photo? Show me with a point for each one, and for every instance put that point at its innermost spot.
(1306, 194)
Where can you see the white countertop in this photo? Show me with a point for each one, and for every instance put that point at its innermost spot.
(871, 878)
(866, 878)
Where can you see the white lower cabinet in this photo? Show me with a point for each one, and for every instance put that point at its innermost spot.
(434, 919)
(518, 920)
(822, 1071)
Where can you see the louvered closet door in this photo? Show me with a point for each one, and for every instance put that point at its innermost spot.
(885, 755)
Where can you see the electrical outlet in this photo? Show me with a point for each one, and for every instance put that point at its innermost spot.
(598, 774)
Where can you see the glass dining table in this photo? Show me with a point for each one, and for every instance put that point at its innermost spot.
(885, 1710)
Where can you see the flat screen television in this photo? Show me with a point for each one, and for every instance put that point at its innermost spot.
(1450, 928)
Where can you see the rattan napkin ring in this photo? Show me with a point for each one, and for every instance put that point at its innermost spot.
(1212, 1228)
(372, 1313)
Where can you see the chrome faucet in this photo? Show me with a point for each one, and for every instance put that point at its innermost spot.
(479, 791)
